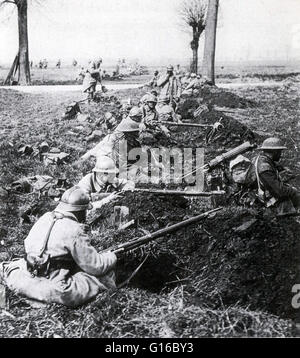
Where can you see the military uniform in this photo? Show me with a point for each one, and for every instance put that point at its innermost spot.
(116, 146)
(152, 129)
(77, 272)
(193, 87)
(166, 113)
(153, 82)
(170, 86)
(91, 185)
(92, 76)
(272, 192)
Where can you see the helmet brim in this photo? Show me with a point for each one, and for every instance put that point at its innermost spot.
(73, 208)
(125, 126)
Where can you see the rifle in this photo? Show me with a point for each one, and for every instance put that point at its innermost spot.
(133, 244)
(179, 192)
(96, 197)
(196, 125)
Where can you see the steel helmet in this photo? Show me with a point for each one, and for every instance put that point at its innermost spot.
(105, 164)
(128, 125)
(151, 98)
(193, 75)
(170, 68)
(272, 144)
(136, 112)
(74, 199)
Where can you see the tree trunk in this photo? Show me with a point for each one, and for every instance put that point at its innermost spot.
(210, 40)
(194, 67)
(24, 68)
(195, 47)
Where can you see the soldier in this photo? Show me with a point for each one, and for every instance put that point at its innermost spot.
(104, 180)
(118, 144)
(153, 82)
(264, 177)
(150, 127)
(60, 265)
(170, 86)
(185, 80)
(58, 64)
(193, 86)
(92, 76)
(126, 108)
(165, 111)
(45, 63)
(110, 122)
(144, 99)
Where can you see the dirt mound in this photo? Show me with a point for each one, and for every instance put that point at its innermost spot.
(235, 257)
(250, 260)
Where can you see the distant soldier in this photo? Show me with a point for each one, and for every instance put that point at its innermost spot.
(264, 177)
(81, 75)
(179, 73)
(74, 63)
(31, 64)
(193, 86)
(92, 76)
(170, 86)
(41, 64)
(153, 82)
(45, 64)
(185, 80)
(61, 266)
(58, 64)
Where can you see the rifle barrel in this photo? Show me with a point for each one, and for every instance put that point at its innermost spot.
(186, 124)
(150, 237)
(180, 192)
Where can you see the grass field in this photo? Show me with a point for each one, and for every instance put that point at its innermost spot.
(199, 301)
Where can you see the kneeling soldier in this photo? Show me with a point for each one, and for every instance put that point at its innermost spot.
(60, 265)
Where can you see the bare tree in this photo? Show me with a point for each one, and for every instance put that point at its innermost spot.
(210, 40)
(193, 14)
(22, 60)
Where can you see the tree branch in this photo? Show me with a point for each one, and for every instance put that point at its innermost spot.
(7, 2)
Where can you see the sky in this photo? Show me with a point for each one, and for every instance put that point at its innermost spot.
(150, 31)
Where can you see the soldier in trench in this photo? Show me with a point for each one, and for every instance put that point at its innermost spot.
(60, 265)
(263, 180)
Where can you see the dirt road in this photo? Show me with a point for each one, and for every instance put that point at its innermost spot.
(121, 86)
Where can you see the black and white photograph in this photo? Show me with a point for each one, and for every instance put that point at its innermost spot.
(150, 171)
